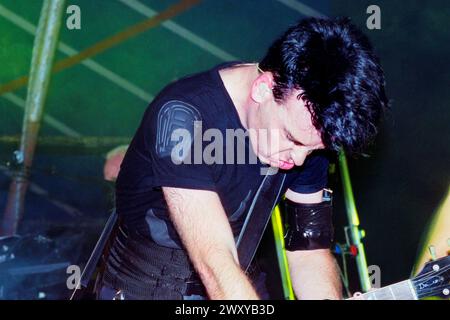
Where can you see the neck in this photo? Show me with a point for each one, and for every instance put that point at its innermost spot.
(238, 81)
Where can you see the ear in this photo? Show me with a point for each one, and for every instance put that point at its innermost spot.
(262, 87)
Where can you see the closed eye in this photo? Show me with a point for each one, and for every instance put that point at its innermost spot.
(291, 138)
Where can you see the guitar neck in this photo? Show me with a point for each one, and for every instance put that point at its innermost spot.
(399, 291)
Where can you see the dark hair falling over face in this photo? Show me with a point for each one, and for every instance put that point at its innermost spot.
(342, 83)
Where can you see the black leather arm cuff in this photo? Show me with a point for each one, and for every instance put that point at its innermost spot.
(309, 226)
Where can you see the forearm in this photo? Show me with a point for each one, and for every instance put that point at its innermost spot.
(209, 241)
(224, 279)
(314, 275)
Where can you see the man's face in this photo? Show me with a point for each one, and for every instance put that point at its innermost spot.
(283, 134)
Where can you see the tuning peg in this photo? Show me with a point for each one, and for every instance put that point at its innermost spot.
(432, 250)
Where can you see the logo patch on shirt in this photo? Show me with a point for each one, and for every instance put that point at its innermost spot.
(174, 115)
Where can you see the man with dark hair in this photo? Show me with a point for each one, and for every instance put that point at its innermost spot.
(190, 215)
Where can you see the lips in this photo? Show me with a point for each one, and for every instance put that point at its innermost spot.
(286, 165)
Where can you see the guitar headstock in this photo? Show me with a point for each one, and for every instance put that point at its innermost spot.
(434, 279)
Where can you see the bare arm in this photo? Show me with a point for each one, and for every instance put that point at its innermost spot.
(314, 273)
(202, 224)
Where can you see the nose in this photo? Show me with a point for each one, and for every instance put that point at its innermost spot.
(299, 155)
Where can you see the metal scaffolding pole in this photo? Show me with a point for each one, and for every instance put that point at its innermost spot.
(277, 226)
(353, 228)
(41, 65)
